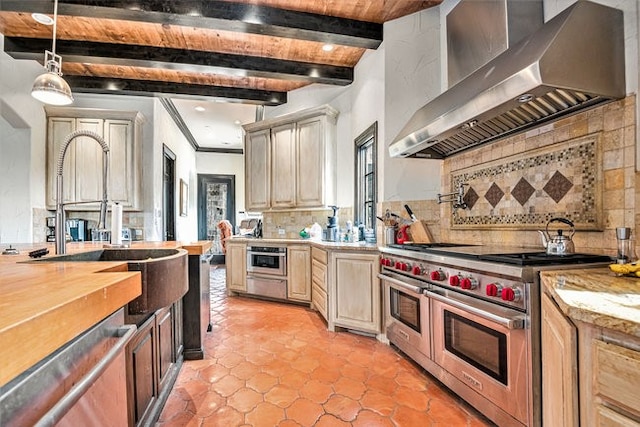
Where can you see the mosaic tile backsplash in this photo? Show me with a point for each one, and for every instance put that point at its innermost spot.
(528, 189)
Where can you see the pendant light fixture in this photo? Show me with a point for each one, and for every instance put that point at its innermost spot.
(50, 87)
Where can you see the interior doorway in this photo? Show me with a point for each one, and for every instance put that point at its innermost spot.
(216, 201)
(169, 193)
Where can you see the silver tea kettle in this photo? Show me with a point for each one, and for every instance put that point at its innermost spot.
(558, 244)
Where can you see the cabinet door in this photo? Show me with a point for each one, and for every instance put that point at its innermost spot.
(122, 176)
(164, 322)
(357, 292)
(257, 170)
(559, 367)
(88, 161)
(310, 167)
(299, 282)
(57, 129)
(141, 372)
(283, 175)
(236, 261)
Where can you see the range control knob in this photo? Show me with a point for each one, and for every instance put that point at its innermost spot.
(417, 270)
(398, 265)
(454, 280)
(511, 294)
(437, 275)
(469, 283)
(405, 267)
(494, 290)
(388, 262)
(383, 261)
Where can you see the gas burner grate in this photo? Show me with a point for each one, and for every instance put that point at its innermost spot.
(542, 258)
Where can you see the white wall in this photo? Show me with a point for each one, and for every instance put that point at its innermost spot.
(27, 148)
(225, 164)
(15, 203)
(167, 133)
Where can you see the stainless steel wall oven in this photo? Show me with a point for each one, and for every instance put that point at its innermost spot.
(267, 271)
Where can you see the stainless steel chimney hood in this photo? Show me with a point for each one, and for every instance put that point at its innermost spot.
(573, 62)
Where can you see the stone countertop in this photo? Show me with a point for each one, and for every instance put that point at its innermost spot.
(596, 296)
(45, 305)
(342, 246)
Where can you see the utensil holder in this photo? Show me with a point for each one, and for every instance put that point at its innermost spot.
(389, 236)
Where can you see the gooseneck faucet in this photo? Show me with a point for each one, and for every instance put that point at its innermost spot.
(60, 234)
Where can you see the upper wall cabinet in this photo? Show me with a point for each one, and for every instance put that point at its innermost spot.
(82, 169)
(290, 160)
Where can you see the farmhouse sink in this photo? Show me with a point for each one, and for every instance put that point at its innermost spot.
(164, 273)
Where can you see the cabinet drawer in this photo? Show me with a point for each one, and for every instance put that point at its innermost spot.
(319, 299)
(617, 374)
(609, 418)
(319, 254)
(319, 274)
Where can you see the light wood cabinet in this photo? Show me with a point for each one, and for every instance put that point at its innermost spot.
(82, 169)
(258, 177)
(236, 263)
(354, 291)
(299, 266)
(559, 367)
(298, 165)
(319, 281)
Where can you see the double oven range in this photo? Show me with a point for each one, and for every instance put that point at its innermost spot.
(470, 315)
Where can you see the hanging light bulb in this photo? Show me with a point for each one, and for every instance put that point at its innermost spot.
(50, 87)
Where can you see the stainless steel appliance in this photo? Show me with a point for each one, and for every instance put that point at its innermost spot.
(82, 383)
(78, 229)
(470, 315)
(541, 77)
(267, 271)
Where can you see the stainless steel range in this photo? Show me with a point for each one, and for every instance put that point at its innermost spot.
(470, 315)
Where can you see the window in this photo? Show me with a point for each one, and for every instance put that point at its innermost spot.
(365, 180)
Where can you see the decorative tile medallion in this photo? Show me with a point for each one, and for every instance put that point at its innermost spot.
(528, 189)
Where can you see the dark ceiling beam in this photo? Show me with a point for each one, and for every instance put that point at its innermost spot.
(218, 15)
(113, 86)
(179, 59)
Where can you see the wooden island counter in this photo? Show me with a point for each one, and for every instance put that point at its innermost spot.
(45, 305)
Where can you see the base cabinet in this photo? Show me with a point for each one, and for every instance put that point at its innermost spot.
(319, 281)
(196, 307)
(559, 367)
(590, 375)
(153, 359)
(355, 295)
(236, 263)
(299, 280)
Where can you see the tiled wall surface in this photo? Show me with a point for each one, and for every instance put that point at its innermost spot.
(611, 127)
(294, 221)
(582, 167)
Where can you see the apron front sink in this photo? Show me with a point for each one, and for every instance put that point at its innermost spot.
(164, 273)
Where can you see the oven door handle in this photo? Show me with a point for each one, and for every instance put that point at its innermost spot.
(278, 254)
(415, 289)
(517, 321)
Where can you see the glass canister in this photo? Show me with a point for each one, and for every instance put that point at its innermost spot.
(626, 246)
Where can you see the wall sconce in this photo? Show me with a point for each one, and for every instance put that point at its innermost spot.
(50, 87)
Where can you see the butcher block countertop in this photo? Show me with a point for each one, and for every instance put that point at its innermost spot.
(45, 305)
(596, 296)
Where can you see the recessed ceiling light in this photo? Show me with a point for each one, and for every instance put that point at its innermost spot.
(42, 18)
(199, 108)
(327, 47)
(236, 122)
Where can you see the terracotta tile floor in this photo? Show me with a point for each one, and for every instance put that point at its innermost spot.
(272, 364)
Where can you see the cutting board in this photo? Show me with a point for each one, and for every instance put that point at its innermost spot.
(420, 233)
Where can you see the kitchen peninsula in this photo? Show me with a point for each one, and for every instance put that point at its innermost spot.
(46, 305)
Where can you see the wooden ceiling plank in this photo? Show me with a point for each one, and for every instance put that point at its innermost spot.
(221, 15)
(110, 86)
(180, 59)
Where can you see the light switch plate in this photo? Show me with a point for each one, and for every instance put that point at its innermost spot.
(281, 231)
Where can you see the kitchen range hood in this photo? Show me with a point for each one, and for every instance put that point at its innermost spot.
(573, 62)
